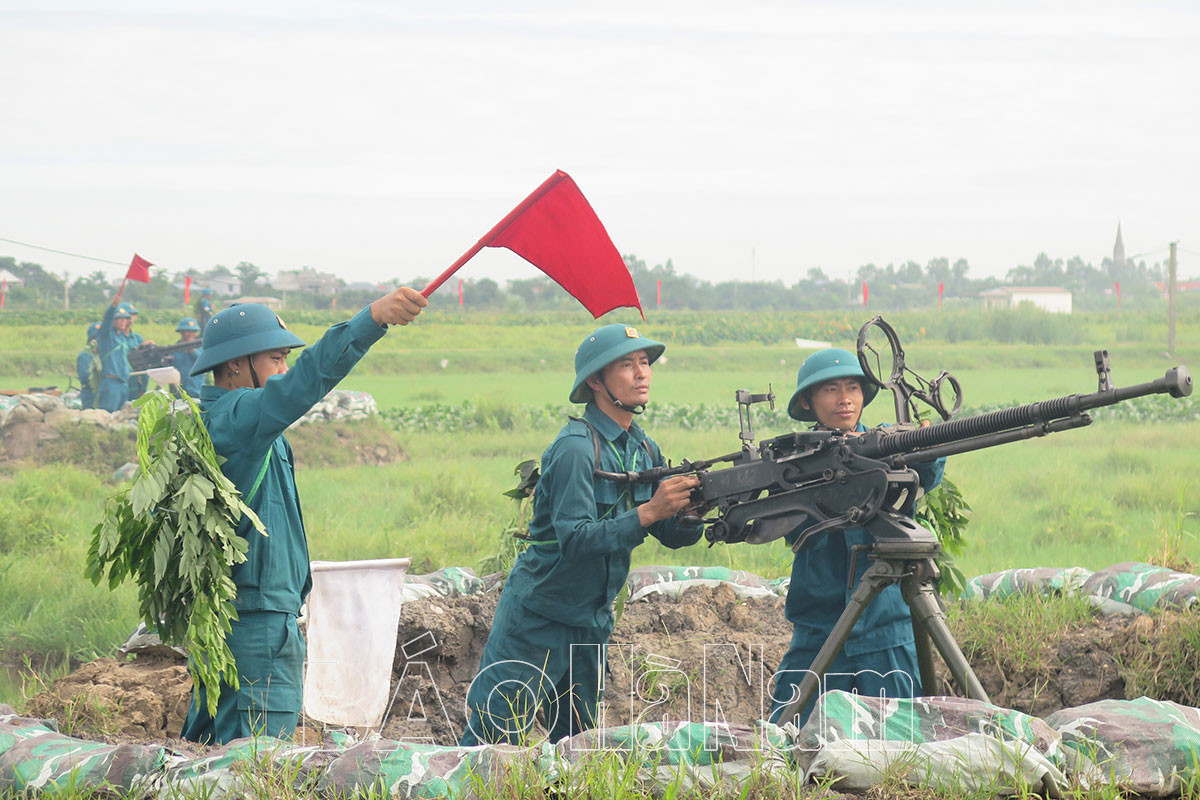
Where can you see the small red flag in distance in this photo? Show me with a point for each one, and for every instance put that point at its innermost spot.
(187, 289)
(139, 269)
(556, 230)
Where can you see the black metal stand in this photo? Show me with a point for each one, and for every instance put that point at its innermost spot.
(909, 562)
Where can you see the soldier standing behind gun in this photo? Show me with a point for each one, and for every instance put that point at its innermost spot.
(560, 592)
(880, 656)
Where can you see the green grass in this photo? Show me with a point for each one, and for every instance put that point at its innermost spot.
(1114, 492)
(1093, 497)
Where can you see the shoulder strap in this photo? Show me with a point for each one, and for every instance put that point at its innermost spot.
(595, 438)
(262, 473)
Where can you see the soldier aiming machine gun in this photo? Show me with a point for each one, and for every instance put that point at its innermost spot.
(839, 482)
(148, 356)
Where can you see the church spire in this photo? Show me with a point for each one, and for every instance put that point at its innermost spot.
(1119, 249)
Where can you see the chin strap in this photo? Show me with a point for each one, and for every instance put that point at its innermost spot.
(639, 408)
(253, 374)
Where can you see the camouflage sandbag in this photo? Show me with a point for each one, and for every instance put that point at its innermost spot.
(1145, 586)
(404, 770)
(235, 768)
(946, 743)
(682, 755)
(674, 581)
(36, 758)
(1146, 745)
(1035, 580)
(448, 582)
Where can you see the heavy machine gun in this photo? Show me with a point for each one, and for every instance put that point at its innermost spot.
(833, 481)
(147, 356)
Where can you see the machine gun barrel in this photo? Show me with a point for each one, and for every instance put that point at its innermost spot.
(145, 356)
(1017, 422)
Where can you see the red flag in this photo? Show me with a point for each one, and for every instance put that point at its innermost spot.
(1117, 285)
(658, 293)
(864, 294)
(460, 302)
(941, 289)
(187, 289)
(139, 269)
(3, 291)
(556, 230)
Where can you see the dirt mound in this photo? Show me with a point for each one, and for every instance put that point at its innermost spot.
(705, 655)
(144, 700)
(346, 443)
(101, 450)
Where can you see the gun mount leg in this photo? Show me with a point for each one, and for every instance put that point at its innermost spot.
(927, 613)
(877, 577)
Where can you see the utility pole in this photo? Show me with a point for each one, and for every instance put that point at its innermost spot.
(66, 291)
(1173, 264)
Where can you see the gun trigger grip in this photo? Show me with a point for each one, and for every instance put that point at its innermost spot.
(830, 524)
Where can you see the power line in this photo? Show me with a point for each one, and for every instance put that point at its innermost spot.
(63, 252)
(1147, 253)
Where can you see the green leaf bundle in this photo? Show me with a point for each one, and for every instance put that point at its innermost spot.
(174, 532)
(946, 512)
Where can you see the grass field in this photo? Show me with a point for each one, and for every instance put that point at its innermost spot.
(1116, 491)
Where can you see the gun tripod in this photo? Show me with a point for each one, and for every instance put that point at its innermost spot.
(910, 562)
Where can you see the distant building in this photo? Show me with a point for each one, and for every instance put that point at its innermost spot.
(222, 285)
(1119, 249)
(9, 278)
(306, 280)
(1180, 286)
(1049, 298)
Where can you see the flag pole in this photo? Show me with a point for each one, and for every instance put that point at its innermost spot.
(521, 208)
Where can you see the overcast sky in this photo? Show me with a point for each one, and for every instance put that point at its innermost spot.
(740, 139)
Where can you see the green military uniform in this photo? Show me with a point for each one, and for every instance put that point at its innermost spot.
(247, 426)
(113, 390)
(879, 657)
(131, 341)
(88, 368)
(555, 613)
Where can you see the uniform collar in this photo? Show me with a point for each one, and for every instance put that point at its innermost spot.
(209, 393)
(608, 427)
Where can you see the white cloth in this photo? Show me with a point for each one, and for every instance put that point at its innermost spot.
(353, 613)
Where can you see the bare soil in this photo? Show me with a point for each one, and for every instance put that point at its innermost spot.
(696, 657)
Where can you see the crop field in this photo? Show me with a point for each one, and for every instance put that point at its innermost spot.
(467, 401)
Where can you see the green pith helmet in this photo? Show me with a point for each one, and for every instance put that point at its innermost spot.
(122, 313)
(826, 365)
(127, 308)
(604, 346)
(93, 331)
(187, 324)
(242, 330)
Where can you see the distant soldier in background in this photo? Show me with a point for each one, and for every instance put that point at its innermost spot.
(88, 368)
(188, 329)
(204, 308)
(131, 340)
(113, 388)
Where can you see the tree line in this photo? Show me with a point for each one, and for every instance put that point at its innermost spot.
(894, 287)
